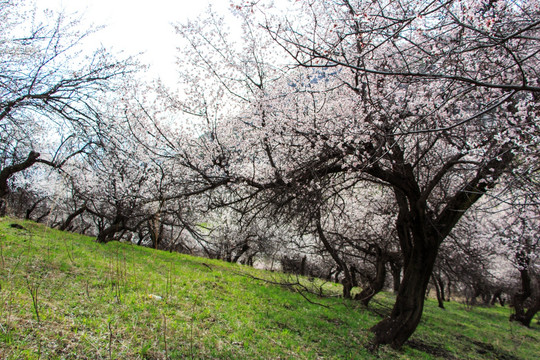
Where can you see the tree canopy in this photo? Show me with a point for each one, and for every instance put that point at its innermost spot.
(358, 133)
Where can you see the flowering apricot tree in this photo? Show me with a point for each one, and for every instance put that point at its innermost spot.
(50, 88)
(434, 100)
(516, 226)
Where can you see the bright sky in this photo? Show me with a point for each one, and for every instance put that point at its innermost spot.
(134, 26)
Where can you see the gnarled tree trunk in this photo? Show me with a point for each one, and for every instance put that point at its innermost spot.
(420, 233)
(407, 311)
(72, 217)
(8, 172)
(348, 280)
(377, 284)
(108, 233)
(521, 314)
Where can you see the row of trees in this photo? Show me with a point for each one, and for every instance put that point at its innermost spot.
(350, 139)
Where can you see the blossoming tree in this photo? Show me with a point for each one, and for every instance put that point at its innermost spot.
(50, 89)
(434, 100)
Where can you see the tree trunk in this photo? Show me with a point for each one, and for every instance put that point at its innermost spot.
(396, 275)
(521, 315)
(448, 290)
(71, 217)
(141, 236)
(486, 298)
(407, 311)
(438, 291)
(441, 286)
(8, 172)
(377, 284)
(155, 231)
(347, 289)
(43, 216)
(497, 296)
(303, 266)
(242, 251)
(525, 317)
(30, 210)
(106, 234)
(3, 206)
(342, 266)
(354, 279)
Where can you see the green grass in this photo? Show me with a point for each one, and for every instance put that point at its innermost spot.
(94, 302)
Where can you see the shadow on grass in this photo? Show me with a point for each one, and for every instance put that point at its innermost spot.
(431, 349)
(488, 349)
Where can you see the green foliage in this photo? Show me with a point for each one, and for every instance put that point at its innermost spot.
(121, 301)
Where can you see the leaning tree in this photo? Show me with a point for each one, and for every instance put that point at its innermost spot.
(51, 88)
(435, 101)
(446, 94)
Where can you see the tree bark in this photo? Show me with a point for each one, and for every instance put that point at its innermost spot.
(30, 210)
(497, 296)
(525, 317)
(521, 315)
(375, 286)
(106, 234)
(242, 251)
(43, 216)
(347, 281)
(8, 172)
(441, 287)
(407, 311)
(395, 268)
(420, 234)
(71, 217)
(303, 266)
(439, 291)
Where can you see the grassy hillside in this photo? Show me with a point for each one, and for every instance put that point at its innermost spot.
(119, 301)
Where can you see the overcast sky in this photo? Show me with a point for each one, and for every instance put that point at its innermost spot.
(135, 26)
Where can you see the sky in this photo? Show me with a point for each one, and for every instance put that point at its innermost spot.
(134, 26)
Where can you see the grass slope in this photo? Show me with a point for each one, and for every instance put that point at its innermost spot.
(95, 302)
